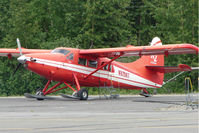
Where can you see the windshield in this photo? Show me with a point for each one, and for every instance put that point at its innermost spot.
(62, 51)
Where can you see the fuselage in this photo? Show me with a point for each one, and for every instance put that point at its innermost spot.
(62, 63)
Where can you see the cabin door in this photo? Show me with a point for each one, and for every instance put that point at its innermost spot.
(105, 76)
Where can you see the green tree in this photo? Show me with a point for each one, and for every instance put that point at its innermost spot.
(176, 22)
(92, 24)
(105, 24)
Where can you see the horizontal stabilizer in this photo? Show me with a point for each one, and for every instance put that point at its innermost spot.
(169, 69)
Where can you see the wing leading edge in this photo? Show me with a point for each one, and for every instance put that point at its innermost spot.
(169, 49)
(16, 52)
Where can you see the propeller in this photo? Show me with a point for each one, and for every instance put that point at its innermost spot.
(19, 59)
(19, 46)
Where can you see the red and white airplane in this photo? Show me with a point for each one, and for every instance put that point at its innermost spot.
(98, 68)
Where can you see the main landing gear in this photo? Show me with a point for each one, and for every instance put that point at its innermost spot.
(81, 94)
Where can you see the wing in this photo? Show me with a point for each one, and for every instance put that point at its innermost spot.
(16, 53)
(169, 49)
(169, 69)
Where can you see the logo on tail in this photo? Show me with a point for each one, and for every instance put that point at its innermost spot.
(155, 42)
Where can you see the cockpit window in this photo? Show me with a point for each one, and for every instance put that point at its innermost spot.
(92, 63)
(70, 56)
(62, 51)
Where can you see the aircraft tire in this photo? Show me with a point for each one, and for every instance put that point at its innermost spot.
(83, 94)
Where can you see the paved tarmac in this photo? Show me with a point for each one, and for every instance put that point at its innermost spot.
(127, 114)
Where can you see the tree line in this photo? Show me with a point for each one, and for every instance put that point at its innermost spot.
(47, 24)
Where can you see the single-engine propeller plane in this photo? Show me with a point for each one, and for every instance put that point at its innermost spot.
(98, 68)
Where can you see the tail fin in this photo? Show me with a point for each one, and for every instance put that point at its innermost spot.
(156, 41)
(149, 60)
(155, 60)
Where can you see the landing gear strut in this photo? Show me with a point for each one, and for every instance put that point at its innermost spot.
(81, 94)
(78, 93)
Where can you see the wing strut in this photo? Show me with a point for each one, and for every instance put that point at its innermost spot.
(104, 65)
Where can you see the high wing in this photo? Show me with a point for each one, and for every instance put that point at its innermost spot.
(169, 49)
(16, 53)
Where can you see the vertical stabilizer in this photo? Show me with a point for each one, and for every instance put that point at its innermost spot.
(156, 41)
(149, 60)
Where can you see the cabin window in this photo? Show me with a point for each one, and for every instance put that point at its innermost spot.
(92, 63)
(110, 69)
(82, 61)
(107, 67)
(70, 56)
(61, 51)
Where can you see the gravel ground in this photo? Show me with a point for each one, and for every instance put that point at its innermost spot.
(157, 114)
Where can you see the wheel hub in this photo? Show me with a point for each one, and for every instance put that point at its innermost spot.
(84, 94)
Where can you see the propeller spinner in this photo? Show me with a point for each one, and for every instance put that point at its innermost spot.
(21, 59)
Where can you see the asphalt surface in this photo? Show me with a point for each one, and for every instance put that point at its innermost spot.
(129, 114)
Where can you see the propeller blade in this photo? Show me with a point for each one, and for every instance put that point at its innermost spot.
(19, 46)
(18, 66)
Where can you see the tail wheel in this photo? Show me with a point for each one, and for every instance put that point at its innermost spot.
(83, 94)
